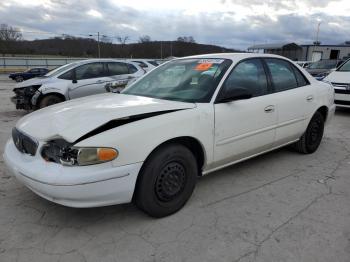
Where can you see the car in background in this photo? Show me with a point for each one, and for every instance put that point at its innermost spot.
(340, 79)
(184, 119)
(146, 65)
(322, 68)
(74, 80)
(303, 64)
(28, 74)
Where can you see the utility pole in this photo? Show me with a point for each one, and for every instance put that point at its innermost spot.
(98, 44)
(317, 32)
(316, 42)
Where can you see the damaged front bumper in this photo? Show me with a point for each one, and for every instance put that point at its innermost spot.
(24, 98)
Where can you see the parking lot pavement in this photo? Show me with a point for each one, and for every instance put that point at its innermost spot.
(282, 206)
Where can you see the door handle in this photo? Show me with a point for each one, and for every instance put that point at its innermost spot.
(269, 109)
(99, 81)
(310, 98)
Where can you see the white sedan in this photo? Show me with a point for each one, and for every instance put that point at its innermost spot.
(186, 118)
(340, 79)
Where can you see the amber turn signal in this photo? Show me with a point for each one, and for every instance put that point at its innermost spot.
(106, 154)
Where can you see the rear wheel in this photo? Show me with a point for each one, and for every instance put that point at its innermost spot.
(19, 79)
(50, 100)
(311, 139)
(166, 181)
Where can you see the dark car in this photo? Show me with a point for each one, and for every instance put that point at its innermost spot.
(322, 68)
(30, 73)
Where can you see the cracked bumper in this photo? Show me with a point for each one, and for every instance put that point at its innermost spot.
(88, 186)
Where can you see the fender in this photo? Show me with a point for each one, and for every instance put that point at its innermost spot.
(45, 91)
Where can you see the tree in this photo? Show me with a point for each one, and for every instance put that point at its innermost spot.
(186, 39)
(144, 39)
(9, 33)
(122, 39)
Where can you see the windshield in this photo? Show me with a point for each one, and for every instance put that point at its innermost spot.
(185, 80)
(324, 64)
(345, 67)
(60, 69)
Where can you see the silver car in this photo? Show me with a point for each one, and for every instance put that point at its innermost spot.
(74, 80)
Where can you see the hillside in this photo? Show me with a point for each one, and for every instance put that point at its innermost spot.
(82, 47)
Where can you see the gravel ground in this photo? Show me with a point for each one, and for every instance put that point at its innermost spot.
(282, 206)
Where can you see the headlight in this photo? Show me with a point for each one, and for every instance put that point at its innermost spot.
(91, 156)
(322, 75)
(60, 151)
(30, 90)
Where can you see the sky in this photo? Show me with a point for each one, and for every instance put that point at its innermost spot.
(230, 23)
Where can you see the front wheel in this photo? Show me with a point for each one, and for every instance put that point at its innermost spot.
(50, 100)
(311, 139)
(19, 79)
(166, 181)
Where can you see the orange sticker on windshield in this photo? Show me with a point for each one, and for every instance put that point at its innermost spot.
(203, 66)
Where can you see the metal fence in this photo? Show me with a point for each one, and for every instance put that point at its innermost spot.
(10, 64)
(15, 63)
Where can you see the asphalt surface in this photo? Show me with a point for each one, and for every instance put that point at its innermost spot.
(282, 206)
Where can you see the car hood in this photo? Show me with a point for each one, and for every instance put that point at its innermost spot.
(34, 81)
(72, 119)
(338, 77)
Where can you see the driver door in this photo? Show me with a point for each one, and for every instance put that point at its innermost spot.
(245, 127)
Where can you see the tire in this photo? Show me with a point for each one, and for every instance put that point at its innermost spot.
(19, 79)
(49, 100)
(166, 180)
(311, 139)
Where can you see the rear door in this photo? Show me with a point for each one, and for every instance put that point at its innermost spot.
(294, 98)
(90, 79)
(120, 74)
(245, 127)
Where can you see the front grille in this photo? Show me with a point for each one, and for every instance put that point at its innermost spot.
(341, 85)
(24, 143)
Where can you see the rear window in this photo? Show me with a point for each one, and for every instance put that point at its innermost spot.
(118, 69)
(132, 69)
(283, 77)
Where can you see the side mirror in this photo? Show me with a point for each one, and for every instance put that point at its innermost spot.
(236, 93)
(74, 81)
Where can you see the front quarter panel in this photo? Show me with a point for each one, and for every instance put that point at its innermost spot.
(59, 87)
(135, 141)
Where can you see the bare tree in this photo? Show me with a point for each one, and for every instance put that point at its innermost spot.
(144, 39)
(9, 33)
(122, 39)
(186, 39)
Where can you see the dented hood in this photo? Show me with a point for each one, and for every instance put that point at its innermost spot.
(73, 119)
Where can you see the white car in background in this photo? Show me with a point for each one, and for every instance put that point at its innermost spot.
(74, 80)
(186, 118)
(146, 65)
(340, 79)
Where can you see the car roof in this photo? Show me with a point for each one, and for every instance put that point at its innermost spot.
(86, 61)
(236, 56)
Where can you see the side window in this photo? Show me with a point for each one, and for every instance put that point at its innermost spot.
(282, 74)
(67, 75)
(132, 69)
(248, 74)
(141, 64)
(117, 69)
(34, 71)
(301, 79)
(87, 71)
